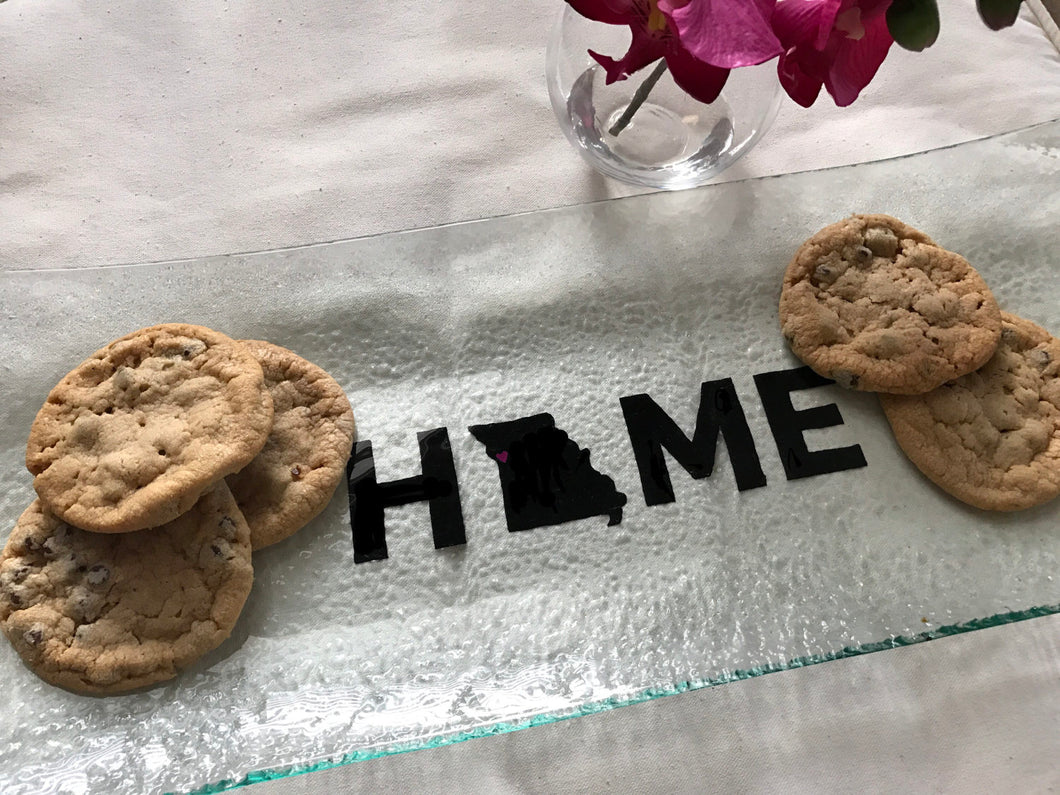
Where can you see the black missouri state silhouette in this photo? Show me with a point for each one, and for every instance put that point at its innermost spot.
(546, 478)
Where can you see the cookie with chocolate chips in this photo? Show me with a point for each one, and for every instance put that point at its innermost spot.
(132, 436)
(991, 438)
(295, 475)
(876, 305)
(106, 613)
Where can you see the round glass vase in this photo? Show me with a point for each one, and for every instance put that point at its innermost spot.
(673, 140)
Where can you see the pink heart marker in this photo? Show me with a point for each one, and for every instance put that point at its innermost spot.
(502, 456)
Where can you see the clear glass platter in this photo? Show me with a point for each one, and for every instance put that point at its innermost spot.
(553, 322)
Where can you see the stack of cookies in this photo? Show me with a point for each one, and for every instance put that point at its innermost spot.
(972, 393)
(160, 463)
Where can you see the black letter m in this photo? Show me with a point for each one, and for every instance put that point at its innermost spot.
(651, 430)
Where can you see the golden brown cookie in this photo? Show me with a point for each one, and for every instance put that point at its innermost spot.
(131, 437)
(991, 438)
(105, 613)
(294, 476)
(875, 305)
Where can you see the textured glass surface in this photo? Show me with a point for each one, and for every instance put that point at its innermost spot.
(563, 312)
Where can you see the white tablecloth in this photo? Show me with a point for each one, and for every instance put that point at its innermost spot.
(138, 131)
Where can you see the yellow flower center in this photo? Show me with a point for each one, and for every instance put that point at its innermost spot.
(656, 19)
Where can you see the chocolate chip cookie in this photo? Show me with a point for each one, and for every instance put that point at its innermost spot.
(295, 475)
(875, 305)
(991, 438)
(106, 613)
(132, 436)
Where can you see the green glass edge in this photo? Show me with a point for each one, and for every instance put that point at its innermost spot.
(650, 694)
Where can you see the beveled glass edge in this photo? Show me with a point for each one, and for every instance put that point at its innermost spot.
(650, 694)
(540, 211)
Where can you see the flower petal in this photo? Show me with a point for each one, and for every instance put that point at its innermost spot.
(799, 76)
(870, 8)
(856, 62)
(613, 12)
(726, 33)
(805, 21)
(698, 79)
(643, 50)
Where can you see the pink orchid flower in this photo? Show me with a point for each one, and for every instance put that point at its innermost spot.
(701, 40)
(835, 43)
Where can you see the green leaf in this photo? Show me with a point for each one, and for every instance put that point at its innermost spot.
(914, 24)
(998, 14)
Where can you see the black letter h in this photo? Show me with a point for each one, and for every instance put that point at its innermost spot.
(437, 485)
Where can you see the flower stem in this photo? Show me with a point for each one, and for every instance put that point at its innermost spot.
(639, 96)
